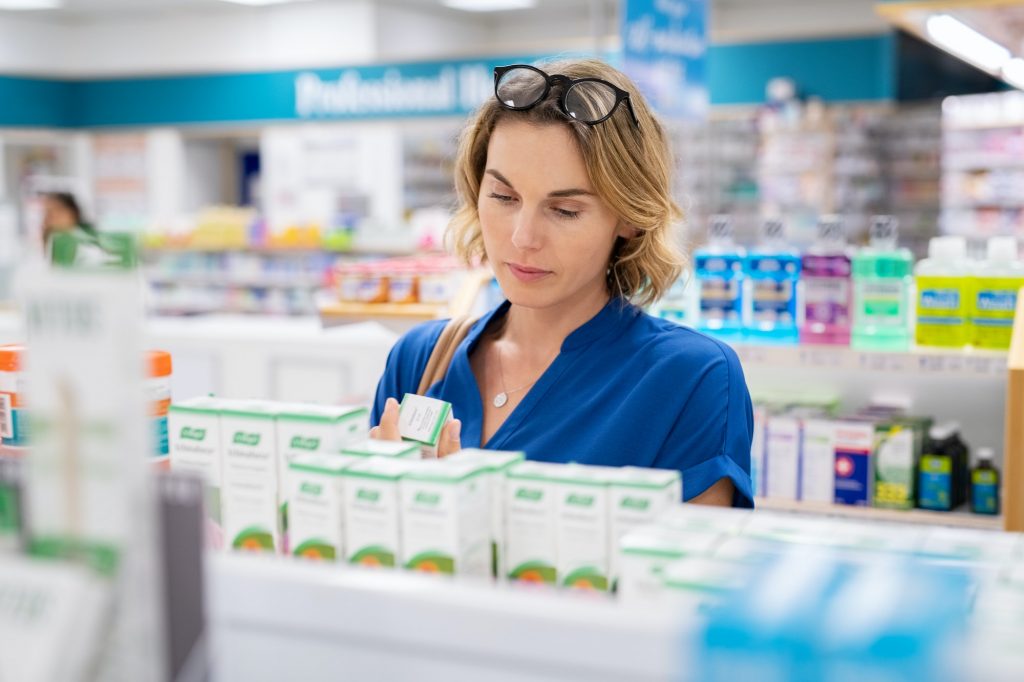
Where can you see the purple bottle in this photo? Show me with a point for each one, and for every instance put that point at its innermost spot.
(828, 289)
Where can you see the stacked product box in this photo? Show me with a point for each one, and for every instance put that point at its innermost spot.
(251, 476)
(195, 448)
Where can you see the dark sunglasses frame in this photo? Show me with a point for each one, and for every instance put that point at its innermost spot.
(567, 83)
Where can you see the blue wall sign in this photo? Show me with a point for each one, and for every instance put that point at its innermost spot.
(664, 49)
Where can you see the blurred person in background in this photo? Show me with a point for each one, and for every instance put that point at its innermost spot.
(564, 180)
(62, 213)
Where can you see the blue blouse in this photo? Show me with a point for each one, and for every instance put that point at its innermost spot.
(626, 389)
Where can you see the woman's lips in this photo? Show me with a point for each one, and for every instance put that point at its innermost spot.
(525, 273)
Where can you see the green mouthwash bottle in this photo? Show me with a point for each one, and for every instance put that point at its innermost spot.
(943, 291)
(881, 290)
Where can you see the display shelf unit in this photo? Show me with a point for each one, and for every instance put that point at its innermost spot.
(956, 519)
(934, 362)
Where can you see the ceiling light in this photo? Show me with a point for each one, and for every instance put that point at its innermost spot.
(30, 4)
(1013, 72)
(488, 5)
(257, 3)
(966, 43)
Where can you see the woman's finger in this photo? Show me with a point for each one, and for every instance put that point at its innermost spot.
(450, 439)
(388, 428)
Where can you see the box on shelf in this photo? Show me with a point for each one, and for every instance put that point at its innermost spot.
(782, 466)
(898, 447)
(645, 552)
(818, 461)
(195, 447)
(855, 465)
(250, 496)
(531, 511)
(373, 533)
(583, 527)
(382, 448)
(636, 497)
(316, 506)
(445, 519)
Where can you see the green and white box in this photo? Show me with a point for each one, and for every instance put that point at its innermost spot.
(498, 462)
(637, 496)
(818, 461)
(584, 537)
(195, 446)
(701, 518)
(782, 457)
(250, 497)
(373, 529)
(421, 419)
(531, 513)
(317, 429)
(645, 552)
(445, 518)
(382, 448)
(316, 506)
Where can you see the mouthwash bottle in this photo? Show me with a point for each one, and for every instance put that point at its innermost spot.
(681, 304)
(943, 285)
(985, 484)
(881, 290)
(994, 294)
(943, 476)
(772, 270)
(828, 292)
(719, 270)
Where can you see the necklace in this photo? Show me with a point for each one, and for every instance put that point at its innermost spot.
(501, 399)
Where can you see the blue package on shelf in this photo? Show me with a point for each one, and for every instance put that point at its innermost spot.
(772, 270)
(719, 270)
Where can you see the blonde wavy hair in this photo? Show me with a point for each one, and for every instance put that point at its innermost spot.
(630, 167)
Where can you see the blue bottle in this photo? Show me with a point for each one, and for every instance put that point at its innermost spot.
(719, 269)
(772, 270)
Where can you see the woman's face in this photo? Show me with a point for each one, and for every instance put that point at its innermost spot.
(546, 233)
(56, 216)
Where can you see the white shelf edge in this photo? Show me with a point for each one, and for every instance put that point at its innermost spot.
(956, 519)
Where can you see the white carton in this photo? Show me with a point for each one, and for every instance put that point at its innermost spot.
(316, 506)
(250, 495)
(195, 446)
(531, 509)
(699, 518)
(497, 462)
(421, 419)
(583, 536)
(373, 532)
(445, 517)
(636, 497)
(818, 461)
(317, 429)
(382, 448)
(782, 457)
(644, 553)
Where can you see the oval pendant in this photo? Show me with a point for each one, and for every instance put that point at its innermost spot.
(500, 400)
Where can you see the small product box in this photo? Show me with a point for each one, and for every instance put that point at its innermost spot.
(645, 552)
(445, 519)
(373, 532)
(898, 447)
(194, 443)
(700, 518)
(782, 466)
(250, 496)
(382, 448)
(695, 584)
(818, 461)
(531, 512)
(317, 429)
(497, 462)
(420, 421)
(316, 506)
(583, 533)
(855, 471)
(636, 497)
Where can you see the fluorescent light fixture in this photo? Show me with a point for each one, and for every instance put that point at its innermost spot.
(257, 3)
(30, 4)
(488, 5)
(1013, 72)
(963, 41)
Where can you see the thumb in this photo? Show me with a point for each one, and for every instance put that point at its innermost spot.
(450, 439)
(388, 428)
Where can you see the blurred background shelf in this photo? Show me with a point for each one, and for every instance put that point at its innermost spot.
(956, 519)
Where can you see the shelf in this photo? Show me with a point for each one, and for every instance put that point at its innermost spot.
(981, 163)
(240, 282)
(926, 361)
(408, 311)
(958, 519)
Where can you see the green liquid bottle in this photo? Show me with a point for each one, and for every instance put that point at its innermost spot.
(985, 484)
(881, 290)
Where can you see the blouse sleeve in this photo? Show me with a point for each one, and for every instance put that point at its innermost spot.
(711, 438)
(406, 362)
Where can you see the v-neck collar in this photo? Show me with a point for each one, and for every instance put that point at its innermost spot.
(615, 315)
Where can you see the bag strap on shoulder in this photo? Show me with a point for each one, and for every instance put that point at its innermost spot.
(444, 350)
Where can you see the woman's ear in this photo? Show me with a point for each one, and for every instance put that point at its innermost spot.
(626, 231)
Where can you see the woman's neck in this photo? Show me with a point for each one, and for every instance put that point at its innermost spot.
(543, 330)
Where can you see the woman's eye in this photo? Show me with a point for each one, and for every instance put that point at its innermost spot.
(565, 213)
(501, 198)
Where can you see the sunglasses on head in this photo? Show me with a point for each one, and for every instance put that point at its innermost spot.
(589, 100)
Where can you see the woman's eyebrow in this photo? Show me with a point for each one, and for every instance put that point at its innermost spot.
(557, 194)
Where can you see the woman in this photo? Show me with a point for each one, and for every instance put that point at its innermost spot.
(61, 213)
(564, 189)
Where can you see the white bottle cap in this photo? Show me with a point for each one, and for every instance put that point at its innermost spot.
(720, 226)
(986, 455)
(947, 248)
(1002, 249)
(943, 430)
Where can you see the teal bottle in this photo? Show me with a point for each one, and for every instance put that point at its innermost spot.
(882, 283)
(772, 270)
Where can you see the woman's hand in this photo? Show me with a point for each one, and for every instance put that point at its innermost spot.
(388, 430)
